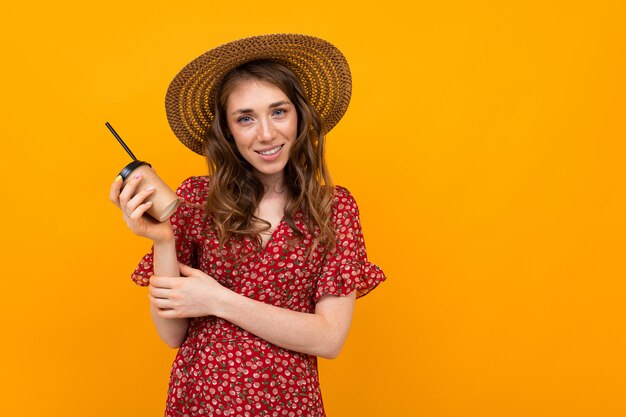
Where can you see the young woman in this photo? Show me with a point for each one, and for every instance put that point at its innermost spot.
(257, 272)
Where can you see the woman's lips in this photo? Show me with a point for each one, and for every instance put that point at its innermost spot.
(271, 154)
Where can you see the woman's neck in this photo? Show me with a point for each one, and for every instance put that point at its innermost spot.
(273, 184)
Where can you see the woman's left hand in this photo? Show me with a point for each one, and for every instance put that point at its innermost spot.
(193, 294)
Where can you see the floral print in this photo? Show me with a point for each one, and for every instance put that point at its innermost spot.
(221, 369)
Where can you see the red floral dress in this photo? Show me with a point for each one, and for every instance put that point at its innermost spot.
(221, 369)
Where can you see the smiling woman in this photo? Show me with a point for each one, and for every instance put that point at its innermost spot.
(272, 254)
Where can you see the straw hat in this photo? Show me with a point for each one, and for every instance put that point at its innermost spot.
(320, 66)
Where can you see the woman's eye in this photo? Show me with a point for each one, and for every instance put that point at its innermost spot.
(279, 112)
(244, 119)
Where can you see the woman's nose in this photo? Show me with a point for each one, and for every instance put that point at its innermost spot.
(266, 130)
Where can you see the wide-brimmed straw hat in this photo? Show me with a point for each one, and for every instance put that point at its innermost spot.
(320, 66)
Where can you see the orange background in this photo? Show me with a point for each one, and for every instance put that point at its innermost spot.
(484, 144)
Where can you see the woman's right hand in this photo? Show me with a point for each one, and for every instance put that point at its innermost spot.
(133, 209)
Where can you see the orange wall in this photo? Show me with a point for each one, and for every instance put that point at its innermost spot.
(484, 144)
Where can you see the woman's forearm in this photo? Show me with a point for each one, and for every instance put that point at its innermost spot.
(171, 330)
(322, 333)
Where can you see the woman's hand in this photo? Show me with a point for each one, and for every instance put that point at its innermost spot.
(133, 209)
(193, 294)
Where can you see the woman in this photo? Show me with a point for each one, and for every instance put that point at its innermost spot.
(257, 272)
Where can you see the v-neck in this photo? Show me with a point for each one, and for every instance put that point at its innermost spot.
(273, 235)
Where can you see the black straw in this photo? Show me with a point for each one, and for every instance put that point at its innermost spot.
(107, 124)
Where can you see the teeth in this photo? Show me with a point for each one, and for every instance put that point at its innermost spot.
(271, 151)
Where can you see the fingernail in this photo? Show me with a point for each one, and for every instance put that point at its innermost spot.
(150, 188)
(149, 203)
(118, 178)
(139, 175)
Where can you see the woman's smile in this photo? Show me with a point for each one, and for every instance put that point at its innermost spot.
(270, 153)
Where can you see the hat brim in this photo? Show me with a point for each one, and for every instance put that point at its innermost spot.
(320, 66)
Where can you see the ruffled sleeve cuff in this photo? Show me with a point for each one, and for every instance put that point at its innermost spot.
(344, 279)
(143, 272)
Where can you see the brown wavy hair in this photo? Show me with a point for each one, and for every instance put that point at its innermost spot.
(234, 191)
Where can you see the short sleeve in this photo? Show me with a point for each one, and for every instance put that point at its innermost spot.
(346, 268)
(187, 216)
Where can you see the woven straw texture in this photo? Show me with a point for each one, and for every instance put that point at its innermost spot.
(321, 67)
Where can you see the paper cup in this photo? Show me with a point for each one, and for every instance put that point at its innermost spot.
(164, 200)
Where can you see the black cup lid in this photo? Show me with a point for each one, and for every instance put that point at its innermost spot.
(126, 171)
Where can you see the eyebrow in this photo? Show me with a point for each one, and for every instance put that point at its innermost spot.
(271, 106)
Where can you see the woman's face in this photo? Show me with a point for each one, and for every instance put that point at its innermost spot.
(264, 124)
